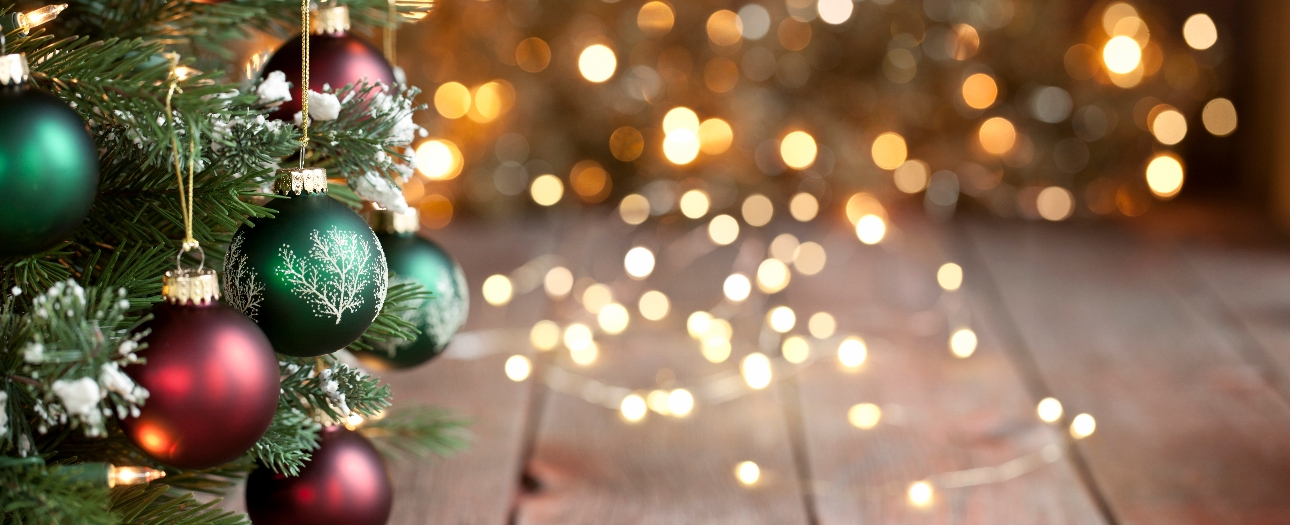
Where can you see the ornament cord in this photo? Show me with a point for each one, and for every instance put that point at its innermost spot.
(390, 32)
(306, 35)
(185, 190)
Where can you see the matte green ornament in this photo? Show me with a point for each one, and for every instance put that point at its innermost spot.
(49, 166)
(412, 258)
(313, 276)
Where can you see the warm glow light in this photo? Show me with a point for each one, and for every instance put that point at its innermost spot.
(1165, 176)
(795, 349)
(626, 143)
(1199, 31)
(613, 318)
(452, 100)
(1122, 54)
(681, 117)
(997, 135)
(639, 262)
(634, 209)
(680, 402)
(822, 325)
(698, 324)
(656, 400)
(980, 91)
(756, 370)
(852, 352)
(681, 146)
(723, 229)
(1049, 409)
(1169, 127)
(489, 103)
(911, 177)
(798, 150)
(716, 349)
(654, 305)
(757, 210)
(633, 406)
(438, 159)
(577, 336)
(920, 494)
(871, 229)
(834, 11)
(597, 296)
(533, 54)
(772, 276)
(545, 335)
(597, 63)
(725, 28)
(864, 415)
(737, 287)
(715, 136)
(1055, 203)
(547, 189)
(963, 342)
(558, 282)
(497, 290)
(655, 18)
(804, 207)
(1219, 117)
(1083, 426)
(748, 472)
(809, 258)
(781, 319)
(128, 475)
(784, 247)
(889, 151)
(585, 355)
(950, 276)
(695, 203)
(518, 368)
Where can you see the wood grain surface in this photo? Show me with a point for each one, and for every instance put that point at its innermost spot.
(1188, 431)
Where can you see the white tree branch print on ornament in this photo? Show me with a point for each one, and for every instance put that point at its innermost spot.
(334, 274)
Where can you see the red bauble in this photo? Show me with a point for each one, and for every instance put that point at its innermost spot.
(335, 59)
(212, 381)
(345, 482)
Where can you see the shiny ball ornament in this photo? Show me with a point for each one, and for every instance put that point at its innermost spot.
(211, 375)
(344, 482)
(313, 276)
(412, 258)
(49, 166)
(336, 58)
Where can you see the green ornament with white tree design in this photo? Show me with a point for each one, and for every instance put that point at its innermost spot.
(414, 259)
(313, 276)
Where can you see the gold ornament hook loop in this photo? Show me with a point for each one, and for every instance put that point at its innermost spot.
(185, 248)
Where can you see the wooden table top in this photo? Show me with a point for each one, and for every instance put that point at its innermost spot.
(1180, 353)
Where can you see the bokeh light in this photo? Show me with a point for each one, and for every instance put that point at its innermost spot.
(835, 11)
(438, 159)
(949, 276)
(1169, 126)
(997, 135)
(695, 203)
(1049, 410)
(1165, 176)
(1055, 203)
(980, 91)
(585, 355)
(963, 342)
(756, 370)
(864, 415)
(822, 325)
(795, 349)
(1122, 55)
(545, 335)
(809, 258)
(681, 117)
(654, 305)
(798, 150)
(634, 209)
(577, 336)
(716, 349)
(633, 406)
(613, 318)
(680, 402)
(698, 324)
(871, 229)
(1200, 32)
(889, 151)
(590, 181)
(435, 210)
(772, 276)
(596, 296)
(547, 189)
(639, 262)
(497, 290)
(784, 247)
(748, 472)
(626, 143)
(723, 229)
(518, 368)
(757, 210)
(597, 63)
(681, 146)
(1219, 117)
(803, 207)
(452, 100)
(912, 176)
(533, 54)
(737, 287)
(655, 18)
(781, 319)
(852, 352)
(725, 28)
(715, 136)
(920, 494)
(1082, 426)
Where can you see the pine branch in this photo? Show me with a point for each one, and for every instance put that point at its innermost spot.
(418, 431)
(152, 505)
(390, 323)
(40, 494)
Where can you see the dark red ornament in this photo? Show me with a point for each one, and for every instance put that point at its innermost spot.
(345, 482)
(211, 375)
(336, 58)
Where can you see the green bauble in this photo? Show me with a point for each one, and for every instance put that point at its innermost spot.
(49, 170)
(313, 277)
(412, 258)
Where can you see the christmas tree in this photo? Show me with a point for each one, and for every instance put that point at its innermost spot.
(133, 158)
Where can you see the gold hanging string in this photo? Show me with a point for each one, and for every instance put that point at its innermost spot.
(185, 190)
(390, 44)
(306, 33)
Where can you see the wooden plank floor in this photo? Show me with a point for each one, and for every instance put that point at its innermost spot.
(1179, 352)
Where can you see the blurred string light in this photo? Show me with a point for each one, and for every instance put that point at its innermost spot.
(795, 349)
(597, 63)
(547, 189)
(871, 229)
(803, 207)
(1049, 410)
(654, 305)
(452, 100)
(821, 325)
(1165, 176)
(748, 472)
(920, 494)
(613, 318)
(979, 91)
(634, 209)
(1082, 426)
(1055, 203)
(798, 150)
(784, 247)
(963, 343)
(723, 230)
(633, 408)
(1200, 32)
(695, 204)
(558, 282)
(781, 319)
(911, 176)
(639, 262)
(1168, 125)
(756, 370)
(497, 290)
(889, 151)
(1219, 117)
(772, 276)
(809, 258)
(737, 287)
(595, 297)
(518, 368)
(577, 336)
(864, 415)
(1122, 55)
(545, 335)
(438, 159)
(852, 352)
(757, 210)
(949, 276)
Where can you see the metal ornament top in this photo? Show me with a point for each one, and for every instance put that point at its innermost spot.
(299, 181)
(390, 221)
(190, 286)
(14, 70)
(329, 20)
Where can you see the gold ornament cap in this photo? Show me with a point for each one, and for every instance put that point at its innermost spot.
(390, 221)
(186, 285)
(329, 20)
(299, 181)
(14, 70)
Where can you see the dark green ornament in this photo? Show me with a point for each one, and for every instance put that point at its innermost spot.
(49, 166)
(313, 276)
(412, 258)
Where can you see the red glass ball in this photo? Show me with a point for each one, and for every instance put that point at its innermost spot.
(344, 482)
(212, 381)
(337, 60)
